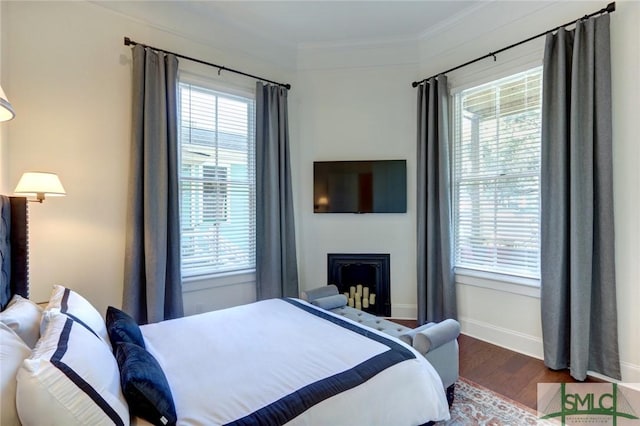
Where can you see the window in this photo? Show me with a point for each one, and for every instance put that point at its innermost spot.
(217, 181)
(496, 176)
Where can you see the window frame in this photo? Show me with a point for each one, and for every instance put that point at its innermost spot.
(211, 279)
(460, 82)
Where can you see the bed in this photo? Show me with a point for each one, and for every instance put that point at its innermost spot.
(273, 362)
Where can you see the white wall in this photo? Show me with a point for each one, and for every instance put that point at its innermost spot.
(356, 114)
(625, 39)
(70, 84)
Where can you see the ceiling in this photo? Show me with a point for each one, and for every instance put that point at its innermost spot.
(299, 34)
(304, 23)
(301, 23)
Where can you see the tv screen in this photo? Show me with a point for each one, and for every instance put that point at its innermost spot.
(360, 186)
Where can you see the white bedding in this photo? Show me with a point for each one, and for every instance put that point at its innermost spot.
(225, 365)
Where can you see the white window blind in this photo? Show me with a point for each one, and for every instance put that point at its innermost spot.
(217, 181)
(496, 174)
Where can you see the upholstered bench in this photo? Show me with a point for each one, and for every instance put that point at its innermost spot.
(437, 342)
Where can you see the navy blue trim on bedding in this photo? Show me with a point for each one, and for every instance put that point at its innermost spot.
(291, 406)
(353, 327)
(56, 360)
(64, 303)
(64, 306)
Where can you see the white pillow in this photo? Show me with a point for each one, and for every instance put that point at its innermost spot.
(71, 378)
(23, 316)
(13, 351)
(69, 302)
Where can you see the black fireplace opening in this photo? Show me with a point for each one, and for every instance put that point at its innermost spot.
(364, 278)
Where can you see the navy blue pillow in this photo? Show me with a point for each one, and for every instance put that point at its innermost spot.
(122, 328)
(144, 385)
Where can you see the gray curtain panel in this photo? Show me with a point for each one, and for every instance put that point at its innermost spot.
(579, 316)
(436, 287)
(152, 282)
(276, 263)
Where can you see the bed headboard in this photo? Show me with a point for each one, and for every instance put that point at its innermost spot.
(14, 248)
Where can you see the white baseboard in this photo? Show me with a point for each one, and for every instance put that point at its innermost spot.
(404, 311)
(630, 372)
(509, 339)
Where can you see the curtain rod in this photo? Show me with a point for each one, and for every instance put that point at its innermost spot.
(611, 7)
(129, 42)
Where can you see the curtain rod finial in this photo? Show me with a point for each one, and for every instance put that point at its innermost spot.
(127, 41)
(414, 84)
(611, 7)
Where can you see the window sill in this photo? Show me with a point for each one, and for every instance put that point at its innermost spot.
(204, 282)
(529, 287)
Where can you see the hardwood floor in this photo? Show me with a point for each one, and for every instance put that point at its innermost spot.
(508, 373)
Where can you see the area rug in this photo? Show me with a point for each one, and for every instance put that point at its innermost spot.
(477, 405)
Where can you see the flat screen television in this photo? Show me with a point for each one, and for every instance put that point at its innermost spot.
(360, 186)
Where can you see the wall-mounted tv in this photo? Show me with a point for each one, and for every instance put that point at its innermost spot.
(360, 186)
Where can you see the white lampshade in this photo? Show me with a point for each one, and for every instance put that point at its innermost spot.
(6, 110)
(40, 184)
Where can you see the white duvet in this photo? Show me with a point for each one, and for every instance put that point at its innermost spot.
(241, 365)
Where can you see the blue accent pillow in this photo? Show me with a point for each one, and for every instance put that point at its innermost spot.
(144, 385)
(122, 328)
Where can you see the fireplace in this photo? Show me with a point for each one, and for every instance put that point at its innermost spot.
(366, 275)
